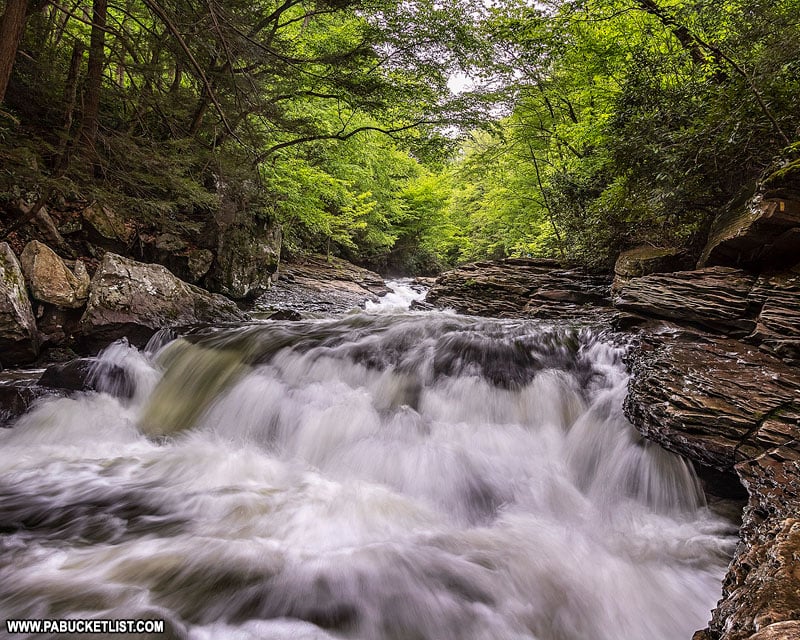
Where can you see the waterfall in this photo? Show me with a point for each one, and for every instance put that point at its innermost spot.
(381, 475)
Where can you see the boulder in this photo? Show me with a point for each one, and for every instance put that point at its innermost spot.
(89, 374)
(16, 399)
(49, 280)
(761, 234)
(57, 325)
(642, 261)
(716, 298)
(286, 314)
(170, 243)
(19, 340)
(134, 300)
(199, 263)
(519, 287)
(106, 228)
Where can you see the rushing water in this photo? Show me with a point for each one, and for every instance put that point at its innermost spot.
(380, 476)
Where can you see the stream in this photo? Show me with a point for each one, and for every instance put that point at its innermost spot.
(380, 475)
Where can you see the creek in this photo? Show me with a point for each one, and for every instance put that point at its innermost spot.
(382, 474)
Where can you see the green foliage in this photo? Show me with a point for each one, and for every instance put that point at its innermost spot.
(596, 124)
(633, 123)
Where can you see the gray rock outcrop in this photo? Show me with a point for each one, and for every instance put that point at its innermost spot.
(133, 299)
(19, 339)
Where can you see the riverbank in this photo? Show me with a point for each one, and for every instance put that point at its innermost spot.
(714, 378)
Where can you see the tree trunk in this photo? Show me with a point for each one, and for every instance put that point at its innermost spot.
(70, 98)
(12, 26)
(94, 73)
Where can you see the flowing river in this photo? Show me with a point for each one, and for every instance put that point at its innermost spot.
(380, 475)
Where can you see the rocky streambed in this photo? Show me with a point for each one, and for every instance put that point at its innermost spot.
(714, 378)
(714, 358)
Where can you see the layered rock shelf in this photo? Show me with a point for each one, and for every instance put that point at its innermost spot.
(320, 284)
(519, 287)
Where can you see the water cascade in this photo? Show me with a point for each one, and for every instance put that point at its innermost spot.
(381, 475)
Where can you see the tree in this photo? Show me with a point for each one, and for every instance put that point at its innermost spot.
(12, 27)
(94, 74)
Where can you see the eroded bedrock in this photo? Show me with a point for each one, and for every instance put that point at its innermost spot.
(321, 284)
(520, 287)
(715, 400)
(731, 407)
(763, 310)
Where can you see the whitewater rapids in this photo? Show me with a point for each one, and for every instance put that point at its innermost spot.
(381, 475)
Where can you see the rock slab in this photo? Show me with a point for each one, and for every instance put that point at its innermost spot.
(730, 406)
(133, 299)
(715, 298)
(643, 261)
(714, 400)
(321, 284)
(519, 287)
(762, 233)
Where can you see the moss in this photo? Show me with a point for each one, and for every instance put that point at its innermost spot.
(790, 171)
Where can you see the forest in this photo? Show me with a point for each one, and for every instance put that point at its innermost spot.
(404, 135)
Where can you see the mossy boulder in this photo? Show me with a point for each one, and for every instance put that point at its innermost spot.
(106, 228)
(642, 261)
(248, 254)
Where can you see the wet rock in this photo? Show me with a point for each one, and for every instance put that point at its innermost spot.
(132, 299)
(320, 284)
(57, 325)
(714, 400)
(762, 233)
(16, 399)
(106, 228)
(761, 592)
(518, 287)
(716, 298)
(89, 374)
(19, 340)
(49, 279)
(778, 323)
(779, 631)
(418, 305)
(729, 406)
(286, 314)
(643, 261)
